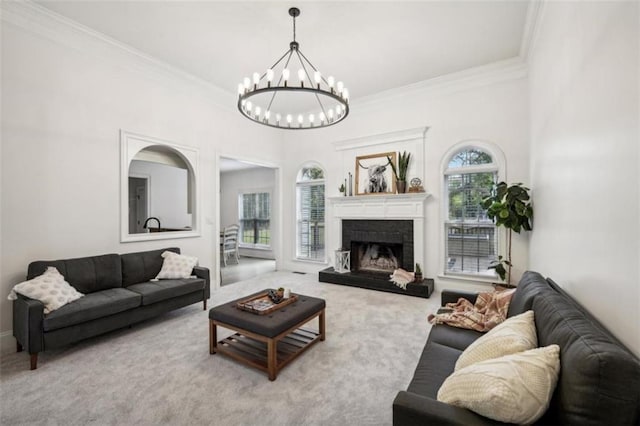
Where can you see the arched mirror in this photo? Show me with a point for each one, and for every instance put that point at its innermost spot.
(158, 189)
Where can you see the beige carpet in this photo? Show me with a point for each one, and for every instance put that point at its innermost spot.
(160, 371)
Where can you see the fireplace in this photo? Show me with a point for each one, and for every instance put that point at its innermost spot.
(381, 233)
(379, 246)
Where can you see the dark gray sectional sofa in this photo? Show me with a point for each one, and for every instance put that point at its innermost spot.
(599, 382)
(118, 293)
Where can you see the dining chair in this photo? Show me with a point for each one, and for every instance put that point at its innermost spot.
(229, 243)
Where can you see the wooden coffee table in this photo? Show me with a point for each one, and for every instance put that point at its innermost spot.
(267, 342)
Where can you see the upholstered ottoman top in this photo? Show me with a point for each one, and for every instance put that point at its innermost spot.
(269, 325)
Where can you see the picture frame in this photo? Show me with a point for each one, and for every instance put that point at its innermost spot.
(374, 175)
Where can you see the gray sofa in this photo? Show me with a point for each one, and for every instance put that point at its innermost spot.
(118, 293)
(599, 382)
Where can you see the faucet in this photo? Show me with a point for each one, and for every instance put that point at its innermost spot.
(147, 221)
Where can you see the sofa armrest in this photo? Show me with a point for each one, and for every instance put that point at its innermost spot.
(202, 272)
(452, 296)
(28, 315)
(412, 409)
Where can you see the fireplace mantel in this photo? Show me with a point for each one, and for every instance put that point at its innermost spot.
(394, 206)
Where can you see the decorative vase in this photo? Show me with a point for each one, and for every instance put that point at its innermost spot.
(401, 186)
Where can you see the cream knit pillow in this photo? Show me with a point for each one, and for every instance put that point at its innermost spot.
(176, 266)
(50, 288)
(516, 334)
(514, 388)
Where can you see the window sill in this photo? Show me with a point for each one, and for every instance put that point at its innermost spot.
(315, 262)
(256, 247)
(478, 279)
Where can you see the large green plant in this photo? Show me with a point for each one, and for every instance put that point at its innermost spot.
(403, 164)
(510, 207)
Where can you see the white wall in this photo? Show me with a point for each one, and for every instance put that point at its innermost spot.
(65, 97)
(584, 91)
(234, 183)
(167, 190)
(489, 106)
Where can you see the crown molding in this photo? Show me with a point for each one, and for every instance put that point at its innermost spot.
(46, 23)
(383, 138)
(485, 75)
(531, 29)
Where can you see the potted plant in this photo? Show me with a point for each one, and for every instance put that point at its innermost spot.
(418, 273)
(400, 172)
(343, 190)
(508, 206)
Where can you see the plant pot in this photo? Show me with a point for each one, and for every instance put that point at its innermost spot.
(417, 277)
(401, 186)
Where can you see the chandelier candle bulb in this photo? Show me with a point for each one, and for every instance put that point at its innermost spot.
(269, 75)
(301, 77)
(311, 119)
(247, 82)
(267, 114)
(289, 118)
(285, 76)
(322, 117)
(240, 89)
(300, 119)
(249, 106)
(256, 80)
(257, 111)
(278, 117)
(340, 87)
(331, 82)
(345, 95)
(317, 78)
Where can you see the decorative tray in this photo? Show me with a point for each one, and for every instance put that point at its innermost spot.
(261, 304)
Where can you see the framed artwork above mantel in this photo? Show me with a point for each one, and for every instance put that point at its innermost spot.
(374, 175)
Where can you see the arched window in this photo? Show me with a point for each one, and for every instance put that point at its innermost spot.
(471, 238)
(310, 213)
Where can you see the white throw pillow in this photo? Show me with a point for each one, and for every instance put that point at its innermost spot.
(515, 334)
(50, 288)
(176, 266)
(514, 388)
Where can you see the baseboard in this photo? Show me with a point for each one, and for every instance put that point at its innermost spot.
(7, 342)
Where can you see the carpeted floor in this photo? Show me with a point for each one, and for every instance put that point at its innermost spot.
(160, 371)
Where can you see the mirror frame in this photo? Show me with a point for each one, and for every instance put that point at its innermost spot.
(130, 145)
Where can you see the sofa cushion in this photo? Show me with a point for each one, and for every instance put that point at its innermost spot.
(91, 306)
(514, 388)
(516, 334)
(157, 291)
(142, 266)
(600, 380)
(457, 338)
(530, 285)
(86, 274)
(435, 365)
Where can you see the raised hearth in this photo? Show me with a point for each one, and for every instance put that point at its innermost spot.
(376, 282)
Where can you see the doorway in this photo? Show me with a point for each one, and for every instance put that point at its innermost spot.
(138, 203)
(249, 197)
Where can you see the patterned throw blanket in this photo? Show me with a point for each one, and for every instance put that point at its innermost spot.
(489, 310)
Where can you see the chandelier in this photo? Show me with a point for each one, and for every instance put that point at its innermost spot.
(320, 101)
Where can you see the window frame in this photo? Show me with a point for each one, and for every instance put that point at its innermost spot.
(498, 166)
(257, 246)
(307, 183)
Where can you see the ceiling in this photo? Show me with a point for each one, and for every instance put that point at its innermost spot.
(371, 46)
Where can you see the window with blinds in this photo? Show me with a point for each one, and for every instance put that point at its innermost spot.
(471, 238)
(255, 214)
(310, 214)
